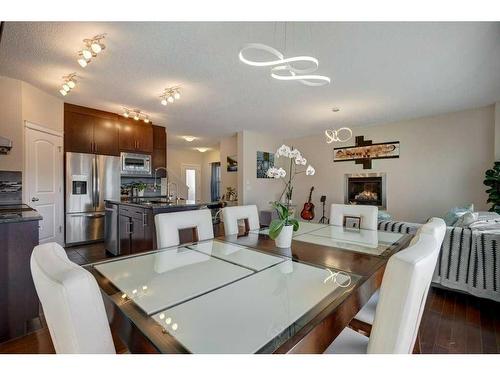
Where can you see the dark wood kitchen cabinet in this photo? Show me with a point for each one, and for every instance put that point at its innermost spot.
(18, 298)
(159, 158)
(136, 227)
(78, 132)
(90, 131)
(136, 136)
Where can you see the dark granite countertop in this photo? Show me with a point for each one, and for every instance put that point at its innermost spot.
(14, 213)
(160, 204)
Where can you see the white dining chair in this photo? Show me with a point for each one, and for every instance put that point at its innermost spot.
(368, 214)
(72, 303)
(231, 216)
(402, 299)
(435, 227)
(169, 224)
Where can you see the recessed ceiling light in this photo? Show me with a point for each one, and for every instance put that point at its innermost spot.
(202, 149)
(188, 138)
(335, 109)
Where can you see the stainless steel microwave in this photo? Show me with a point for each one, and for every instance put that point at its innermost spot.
(135, 164)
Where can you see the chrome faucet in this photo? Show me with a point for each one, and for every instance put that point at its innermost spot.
(155, 187)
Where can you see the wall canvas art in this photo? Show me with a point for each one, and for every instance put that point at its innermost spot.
(364, 151)
(265, 160)
(232, 163)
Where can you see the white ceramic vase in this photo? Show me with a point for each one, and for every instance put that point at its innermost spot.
(284, 239)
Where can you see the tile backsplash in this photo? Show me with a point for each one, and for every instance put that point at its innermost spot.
(11, 187)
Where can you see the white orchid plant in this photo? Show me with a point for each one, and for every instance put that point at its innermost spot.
(296, 166)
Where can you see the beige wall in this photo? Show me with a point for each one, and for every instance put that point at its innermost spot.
(11, 123)
(42, 109)
(228, 147)
(253, 190)
(441, 164)
(20, 102)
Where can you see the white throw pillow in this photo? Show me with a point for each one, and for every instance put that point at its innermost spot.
(467, 219)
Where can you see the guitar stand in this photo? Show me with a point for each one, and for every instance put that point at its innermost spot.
(324, 219)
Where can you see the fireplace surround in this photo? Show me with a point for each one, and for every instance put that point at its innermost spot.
(366, 189)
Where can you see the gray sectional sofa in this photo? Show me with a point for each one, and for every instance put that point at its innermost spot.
(469, 260)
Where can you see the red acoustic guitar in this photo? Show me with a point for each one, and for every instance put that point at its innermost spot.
(308, 210)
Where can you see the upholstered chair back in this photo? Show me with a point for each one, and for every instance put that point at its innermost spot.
(435, 226)
(169, 224)
(231, 215)
(72, 303)
(368, 214)
(403, 294)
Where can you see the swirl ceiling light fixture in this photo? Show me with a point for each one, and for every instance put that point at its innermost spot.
(282, 68)
(339, 135)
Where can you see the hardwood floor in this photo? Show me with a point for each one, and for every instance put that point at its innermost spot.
(458, 323)
(90, 253)
(452, 322)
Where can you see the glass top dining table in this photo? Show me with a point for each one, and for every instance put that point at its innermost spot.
(240, 294)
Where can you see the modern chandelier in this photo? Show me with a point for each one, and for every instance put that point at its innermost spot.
(282, 68)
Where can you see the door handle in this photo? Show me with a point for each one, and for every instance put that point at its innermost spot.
(130, 227)
(144, 221)
(35, 199)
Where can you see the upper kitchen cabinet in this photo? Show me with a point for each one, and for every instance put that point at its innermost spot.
(90, 131)
(159, 149)
(78, 132)
(136, 136)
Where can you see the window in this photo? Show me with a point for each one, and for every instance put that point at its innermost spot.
(191, 183)
(215, 182)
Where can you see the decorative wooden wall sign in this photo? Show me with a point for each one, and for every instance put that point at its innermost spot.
(364, 151)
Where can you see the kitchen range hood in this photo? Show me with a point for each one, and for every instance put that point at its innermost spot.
(5, 145)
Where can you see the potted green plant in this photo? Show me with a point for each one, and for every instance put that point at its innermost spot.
(492, 181)
(141, 187)
(281, 229)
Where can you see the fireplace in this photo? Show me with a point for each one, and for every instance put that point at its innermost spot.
(366, 189)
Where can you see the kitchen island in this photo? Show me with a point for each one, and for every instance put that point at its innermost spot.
(129, 224)
(18, 298)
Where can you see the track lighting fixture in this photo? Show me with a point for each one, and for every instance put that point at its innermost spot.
(136, 114)
(170, 94)
(92, 47)
(68, 84)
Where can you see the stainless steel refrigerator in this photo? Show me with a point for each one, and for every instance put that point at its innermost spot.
(90, 179)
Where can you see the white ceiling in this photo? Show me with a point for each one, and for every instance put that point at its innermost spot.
(381, 72)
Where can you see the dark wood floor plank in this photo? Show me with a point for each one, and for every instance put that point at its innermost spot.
(446, 322)
(488, 337)
(473, 342)
(458, 334)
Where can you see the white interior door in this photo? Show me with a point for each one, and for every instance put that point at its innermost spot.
(192, 178)
(44, 180)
